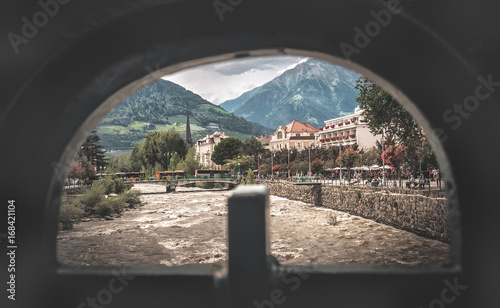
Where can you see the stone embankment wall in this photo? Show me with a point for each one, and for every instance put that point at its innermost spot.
(404, 209)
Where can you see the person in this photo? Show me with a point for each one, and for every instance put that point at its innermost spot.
(410, 182)
(422, 182)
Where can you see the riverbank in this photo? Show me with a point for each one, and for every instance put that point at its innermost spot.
(189, 227)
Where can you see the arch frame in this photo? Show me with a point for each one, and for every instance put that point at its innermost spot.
(80, 84)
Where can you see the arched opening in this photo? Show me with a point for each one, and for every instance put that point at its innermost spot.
(77, 103)
(357, 239)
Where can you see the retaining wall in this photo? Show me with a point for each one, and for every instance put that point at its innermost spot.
(404, 209)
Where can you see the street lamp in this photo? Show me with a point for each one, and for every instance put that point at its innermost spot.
(272, 164)
(383, 160)
(309, 147)
(288, 166)
(168, 154)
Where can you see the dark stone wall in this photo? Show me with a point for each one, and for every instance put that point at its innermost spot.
(414, 211)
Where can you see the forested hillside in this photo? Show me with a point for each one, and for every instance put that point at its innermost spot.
(163, 105)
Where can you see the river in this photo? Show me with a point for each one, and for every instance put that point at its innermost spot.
(189, 227)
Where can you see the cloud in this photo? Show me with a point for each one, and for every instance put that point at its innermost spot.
(219, 82)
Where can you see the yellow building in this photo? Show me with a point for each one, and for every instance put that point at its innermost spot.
(294, 135)
(347, 131)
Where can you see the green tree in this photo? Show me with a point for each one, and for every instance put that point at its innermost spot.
(153, 150)
(347, 158)
(369, 157)
(383, 112)
(228, 148)
(250, 177)
(251, 147)
(92, 150)
(190, 163)
(120, 163)
(300, 167)
(245, 163)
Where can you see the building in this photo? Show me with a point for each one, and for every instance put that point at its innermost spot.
(205, 148)
(347, 131)
(293, 135)
(264, 140)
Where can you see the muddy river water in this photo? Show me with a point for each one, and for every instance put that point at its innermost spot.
(189, 227)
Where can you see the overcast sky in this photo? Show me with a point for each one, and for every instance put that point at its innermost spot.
(226, 80)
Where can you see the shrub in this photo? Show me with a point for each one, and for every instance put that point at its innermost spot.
(131, 197)
(111, 185)
(250, 177)
(103, 209)
(120, 186)
(68, 214)
(116, 205)
(332, 219)
(92, 198)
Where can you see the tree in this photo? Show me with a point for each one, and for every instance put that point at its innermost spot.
(347, 158)
(300, 167)
(189, 164)
(250, 177)
(88, 169)
(317, 165)
(76, 171)
(120, 163)
(251, 147)
(92, 150)
(153, 150)
(245, 163)
(383, 112)
(395, 156)
(228, 148)
(370, 157)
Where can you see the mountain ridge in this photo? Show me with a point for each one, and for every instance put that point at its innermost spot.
(163, 105)
(312, 91)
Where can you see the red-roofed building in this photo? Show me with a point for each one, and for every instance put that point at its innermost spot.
(293, 135)
(205, 148)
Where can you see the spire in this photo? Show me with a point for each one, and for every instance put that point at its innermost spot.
(189, 140)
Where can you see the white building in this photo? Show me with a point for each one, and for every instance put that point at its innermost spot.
(294, 135)
(347, 131)
(205, 148)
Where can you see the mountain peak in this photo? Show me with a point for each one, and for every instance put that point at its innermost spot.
(313, 91)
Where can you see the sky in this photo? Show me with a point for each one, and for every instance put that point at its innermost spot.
(221, 81)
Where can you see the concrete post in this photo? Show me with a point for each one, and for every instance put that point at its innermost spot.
(248, 265)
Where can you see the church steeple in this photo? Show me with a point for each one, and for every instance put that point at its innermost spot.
(189, 140)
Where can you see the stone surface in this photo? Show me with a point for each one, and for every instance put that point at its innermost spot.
(405, 209)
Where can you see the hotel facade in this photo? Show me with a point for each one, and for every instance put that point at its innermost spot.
(347, 131)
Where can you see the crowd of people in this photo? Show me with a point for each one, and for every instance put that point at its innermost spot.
(367, 178)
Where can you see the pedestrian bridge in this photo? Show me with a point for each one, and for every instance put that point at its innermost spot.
(172, 183)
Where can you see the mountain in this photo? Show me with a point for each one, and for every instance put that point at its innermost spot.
(312, 92)
(163, 105)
